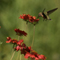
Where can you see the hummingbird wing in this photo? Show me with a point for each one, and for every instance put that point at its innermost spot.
(51, 11)
(46, 16)
(43, 10)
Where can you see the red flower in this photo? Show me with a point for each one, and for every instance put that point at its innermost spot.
(20, 46)
(25, 50)
(36, 56)
(19, 42)
(14, 41)
(17, 48)
(20, 33)
(8, 40)
(24, 16)
(27, 55)
(33, 20)
(29, 18)
(24, 46)
(42, 57)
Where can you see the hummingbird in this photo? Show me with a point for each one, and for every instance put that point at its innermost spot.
(45, 15)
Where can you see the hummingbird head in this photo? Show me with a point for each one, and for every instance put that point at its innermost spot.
(40, 14)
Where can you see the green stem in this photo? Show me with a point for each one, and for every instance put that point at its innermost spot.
(20, 56)
(33, 36)
(26, 26)
(17, 56)
(18, 38)
(12, 55)
(18, 53)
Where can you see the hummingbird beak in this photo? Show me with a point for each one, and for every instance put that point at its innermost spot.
(39, 15)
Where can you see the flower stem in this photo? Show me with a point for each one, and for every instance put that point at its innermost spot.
(18, 38)
(33, 36)
(18, 53)
(20, 56)
(17, 56)
(26, 26)
(12, 55)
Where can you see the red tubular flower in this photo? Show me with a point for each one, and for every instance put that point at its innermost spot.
(36, 56)
(27, 55)
(20, 33)
(29, 18)
(19, 42)
(25, 50)
(21, 46)
(8, 40)
(33, 20)
(25, 17)
(42, 57)
(14, 41)
(17, 48)
(24, 46)
(28, 49)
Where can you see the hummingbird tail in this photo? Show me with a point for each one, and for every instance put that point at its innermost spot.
(49, 19)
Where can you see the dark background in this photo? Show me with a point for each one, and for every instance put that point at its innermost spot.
(47, 33)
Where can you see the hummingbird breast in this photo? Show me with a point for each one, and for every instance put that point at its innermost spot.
(44, 16)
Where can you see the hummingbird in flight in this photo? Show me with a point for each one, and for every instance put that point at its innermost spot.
(45, 15)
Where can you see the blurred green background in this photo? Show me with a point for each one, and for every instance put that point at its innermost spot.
(47, 33)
